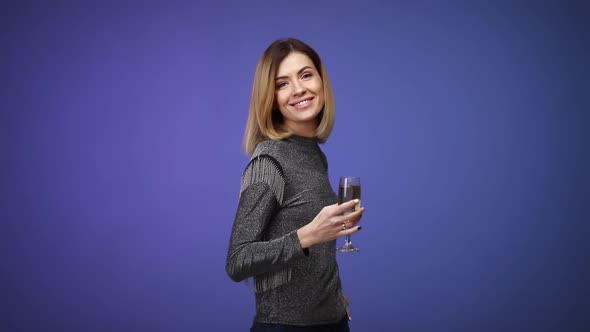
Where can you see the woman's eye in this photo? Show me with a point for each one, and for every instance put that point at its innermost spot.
(281, 85)
(306, 75)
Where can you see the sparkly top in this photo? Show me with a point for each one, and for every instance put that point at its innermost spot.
(284, 186)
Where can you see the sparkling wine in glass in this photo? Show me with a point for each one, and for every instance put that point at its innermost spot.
(349, 189)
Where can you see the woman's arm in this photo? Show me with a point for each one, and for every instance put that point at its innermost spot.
(248, 253)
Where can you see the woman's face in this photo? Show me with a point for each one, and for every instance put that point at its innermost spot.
(299, 94)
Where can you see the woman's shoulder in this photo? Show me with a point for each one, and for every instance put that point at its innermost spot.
(270, 147)
(265, 167)
(267, 151)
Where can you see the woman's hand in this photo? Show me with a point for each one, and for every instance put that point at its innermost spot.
(330, 224)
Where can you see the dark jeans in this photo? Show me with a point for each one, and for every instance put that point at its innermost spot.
(341, 326)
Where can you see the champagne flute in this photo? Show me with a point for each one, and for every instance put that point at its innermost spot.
(349, 189)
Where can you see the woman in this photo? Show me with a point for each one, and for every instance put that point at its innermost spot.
(287, 221)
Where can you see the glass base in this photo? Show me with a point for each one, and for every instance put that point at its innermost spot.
(348, 247)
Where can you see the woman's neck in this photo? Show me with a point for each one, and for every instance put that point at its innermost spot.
(308, 130)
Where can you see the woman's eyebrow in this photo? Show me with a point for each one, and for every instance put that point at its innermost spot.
(298, 73)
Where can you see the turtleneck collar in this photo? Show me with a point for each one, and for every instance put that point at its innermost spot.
(308, 141)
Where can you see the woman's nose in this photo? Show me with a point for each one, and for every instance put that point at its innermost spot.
(298, 88)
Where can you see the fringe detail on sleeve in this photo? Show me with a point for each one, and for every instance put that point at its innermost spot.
(268, 281)
(265, 169)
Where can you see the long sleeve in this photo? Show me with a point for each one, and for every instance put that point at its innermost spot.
(249, 253)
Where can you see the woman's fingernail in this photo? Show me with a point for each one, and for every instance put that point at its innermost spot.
(360, 227)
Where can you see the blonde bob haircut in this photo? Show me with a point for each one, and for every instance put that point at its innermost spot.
(264, 118)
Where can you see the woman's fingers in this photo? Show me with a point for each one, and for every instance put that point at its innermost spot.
(352, 217)
(342, 219)
(340, 209)
(350, 231)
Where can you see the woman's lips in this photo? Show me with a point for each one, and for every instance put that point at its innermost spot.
(303, 103)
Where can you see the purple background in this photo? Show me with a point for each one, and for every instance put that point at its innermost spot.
(121, 131)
